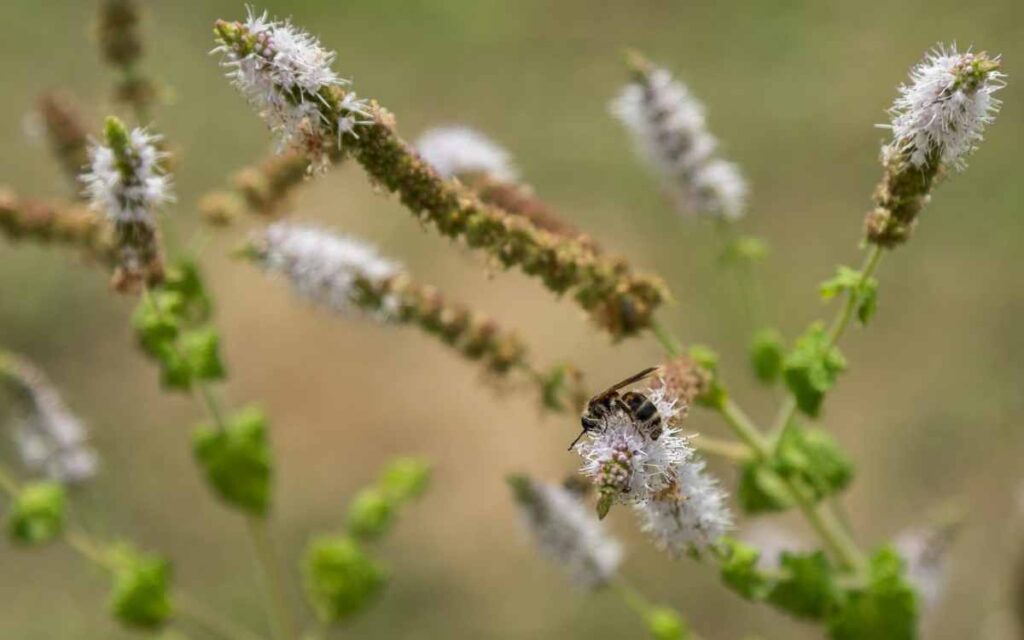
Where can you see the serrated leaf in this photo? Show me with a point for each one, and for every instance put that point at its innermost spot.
(201, 350)
(813, 458)
(885, 609)
(811, 369)
(237, 461)
(766, 355)
(807, 586)
(739, 570)
(185, 280)
(850, 282)
(341, 580)
(140, 597)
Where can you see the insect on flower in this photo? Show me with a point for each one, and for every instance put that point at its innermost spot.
(634, 404)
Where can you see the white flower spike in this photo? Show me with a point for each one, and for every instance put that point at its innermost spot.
(125, 180)
(323, 267)
(567, 532)
(670, 132)
(945, 108)
(459, 151)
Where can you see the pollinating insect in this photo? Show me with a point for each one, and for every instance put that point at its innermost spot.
(634, 404)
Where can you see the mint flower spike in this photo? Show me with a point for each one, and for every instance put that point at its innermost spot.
(625, 464)
(286, 75)
(50, 438)
(348, 276)
(461, 152)
(942, 113)
(670, 133)
(566, 532)
(937, 121)
(126, 181)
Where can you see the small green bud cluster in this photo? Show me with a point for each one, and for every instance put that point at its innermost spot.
(140, 597)
(811, 368)
(881, 604)
(341, 577)
(37, 514)
(237, 460)
(172, 325)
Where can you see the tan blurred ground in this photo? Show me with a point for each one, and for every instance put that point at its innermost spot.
(930, 409)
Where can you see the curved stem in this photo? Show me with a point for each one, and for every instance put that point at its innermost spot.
(285, 627)
(734, 451)
(668, 341)
(835, 332)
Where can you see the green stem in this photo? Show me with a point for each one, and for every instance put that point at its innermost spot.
(668, 341)
(746, 283)
(734, 451)
(632, 597)
(836, 330)
(285, 627)
(202, 616)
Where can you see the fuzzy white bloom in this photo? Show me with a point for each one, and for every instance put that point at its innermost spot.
(282, 70)
(50, 438)
(924, 550)
(568, 533)
(324, 267)
(670, 132)
(625, 463)
(129, 191)
(691, 514)
(455, 151)
(946, 106)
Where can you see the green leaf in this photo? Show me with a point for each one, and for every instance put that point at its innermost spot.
(813, 458)
(740, 572)
(140, 596)
(237, 461)
(811, 369)
(37, 514)
(664, 623)
(864, 292)
(762, 490)
(155, 330)
(885, 609)
(370, 515)
(807, 587)
(766, 354)
(405, 479)
(184, 279)
(341, 580)
(201, 349)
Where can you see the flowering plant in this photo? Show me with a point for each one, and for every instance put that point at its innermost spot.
(636, 451)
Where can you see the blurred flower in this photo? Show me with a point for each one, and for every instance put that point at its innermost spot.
(125, 180)
(461, 151)
(566, 532)
(50, 438)
(324, 267)
(668, 127)
(946, 106)
(925, 552)
(772, 540)
(285, 74)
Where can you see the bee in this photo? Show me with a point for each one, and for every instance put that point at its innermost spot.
(635, 404)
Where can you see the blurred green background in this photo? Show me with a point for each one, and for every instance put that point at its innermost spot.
(930, 409)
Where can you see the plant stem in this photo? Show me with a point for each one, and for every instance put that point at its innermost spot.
(187, 607)
(285, 627)
(745, 280)
(633, 598)
(832, 533)
(835, 332)
(668, 341)
(734, 451)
